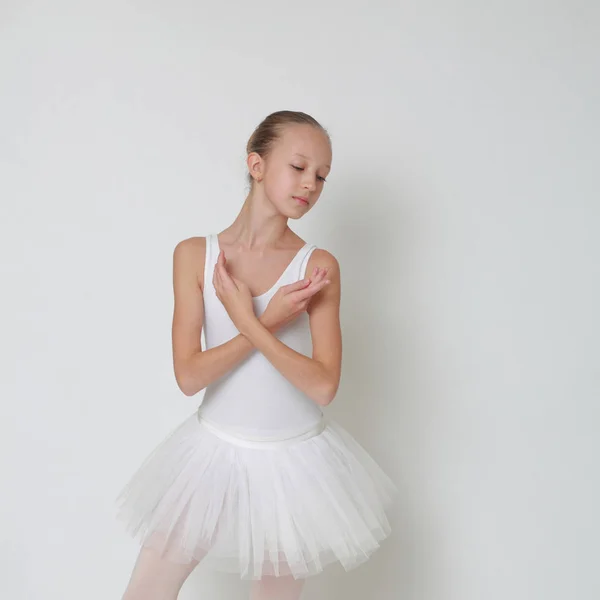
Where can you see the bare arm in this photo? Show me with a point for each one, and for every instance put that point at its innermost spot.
(196, 368)
(319, 376)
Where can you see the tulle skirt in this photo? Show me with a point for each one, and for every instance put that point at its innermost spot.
(256, 507)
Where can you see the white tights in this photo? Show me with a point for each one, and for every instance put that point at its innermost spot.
(155, 578)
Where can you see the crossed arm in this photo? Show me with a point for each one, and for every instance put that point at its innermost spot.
(318, 377)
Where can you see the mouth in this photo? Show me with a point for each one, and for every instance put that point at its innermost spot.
(301, 199)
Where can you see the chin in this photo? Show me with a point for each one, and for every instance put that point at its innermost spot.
(295, 212)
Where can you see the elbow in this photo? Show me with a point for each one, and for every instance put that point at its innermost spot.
(326, 395)
(185, 383)
(184, 386)
(188, 391)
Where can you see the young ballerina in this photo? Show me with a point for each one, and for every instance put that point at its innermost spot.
(257, 481)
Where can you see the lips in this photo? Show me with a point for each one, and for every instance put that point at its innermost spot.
(301, 198)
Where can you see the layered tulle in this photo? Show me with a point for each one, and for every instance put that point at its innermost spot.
(259, 511)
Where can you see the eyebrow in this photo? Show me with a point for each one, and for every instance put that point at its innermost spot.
(303, 156)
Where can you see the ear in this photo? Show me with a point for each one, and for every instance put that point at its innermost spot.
(255, 166)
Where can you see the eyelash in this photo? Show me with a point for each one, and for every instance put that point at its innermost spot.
(301, 169)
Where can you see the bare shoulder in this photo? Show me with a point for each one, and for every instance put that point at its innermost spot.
(190, 245)
(189, 256)
(326, 300)
(324, 259)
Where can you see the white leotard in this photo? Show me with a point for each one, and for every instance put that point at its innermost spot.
(254, 399)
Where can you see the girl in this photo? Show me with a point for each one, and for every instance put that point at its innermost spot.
(258, 481)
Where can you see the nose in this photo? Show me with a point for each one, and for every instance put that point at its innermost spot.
(309, 184)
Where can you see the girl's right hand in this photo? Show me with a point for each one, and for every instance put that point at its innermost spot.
(292, 299)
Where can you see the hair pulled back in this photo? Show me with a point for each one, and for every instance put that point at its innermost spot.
(268, 131)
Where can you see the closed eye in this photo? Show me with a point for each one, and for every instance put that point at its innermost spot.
(301, 169)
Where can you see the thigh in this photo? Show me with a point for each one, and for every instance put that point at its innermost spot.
(156, 578)
(277, 588)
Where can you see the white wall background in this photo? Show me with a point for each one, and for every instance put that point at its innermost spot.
(462, 206)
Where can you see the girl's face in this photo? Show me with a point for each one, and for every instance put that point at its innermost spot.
(296, 169)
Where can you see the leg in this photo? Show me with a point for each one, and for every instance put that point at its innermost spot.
(156, 578)
(276, 588)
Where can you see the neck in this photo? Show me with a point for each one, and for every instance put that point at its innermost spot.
(258, 224)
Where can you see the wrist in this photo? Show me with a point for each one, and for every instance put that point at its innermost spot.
(265, 322)
(249, 325)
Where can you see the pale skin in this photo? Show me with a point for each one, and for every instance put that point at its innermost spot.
(255, 249)
(317, 376)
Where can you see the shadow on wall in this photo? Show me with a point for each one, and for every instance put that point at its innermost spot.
(377, 400)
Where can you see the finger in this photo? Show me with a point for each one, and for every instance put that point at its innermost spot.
(226, 279)
(219, 263)
(320, 269)
(297, 285)
(216, 278)
(319, 276)
(316, 287)
(217, 284)
(319, 273)
(302, 283)
(310, 291)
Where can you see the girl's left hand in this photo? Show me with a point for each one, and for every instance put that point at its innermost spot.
(233, 294)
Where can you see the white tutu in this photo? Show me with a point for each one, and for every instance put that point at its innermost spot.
(259, 508)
